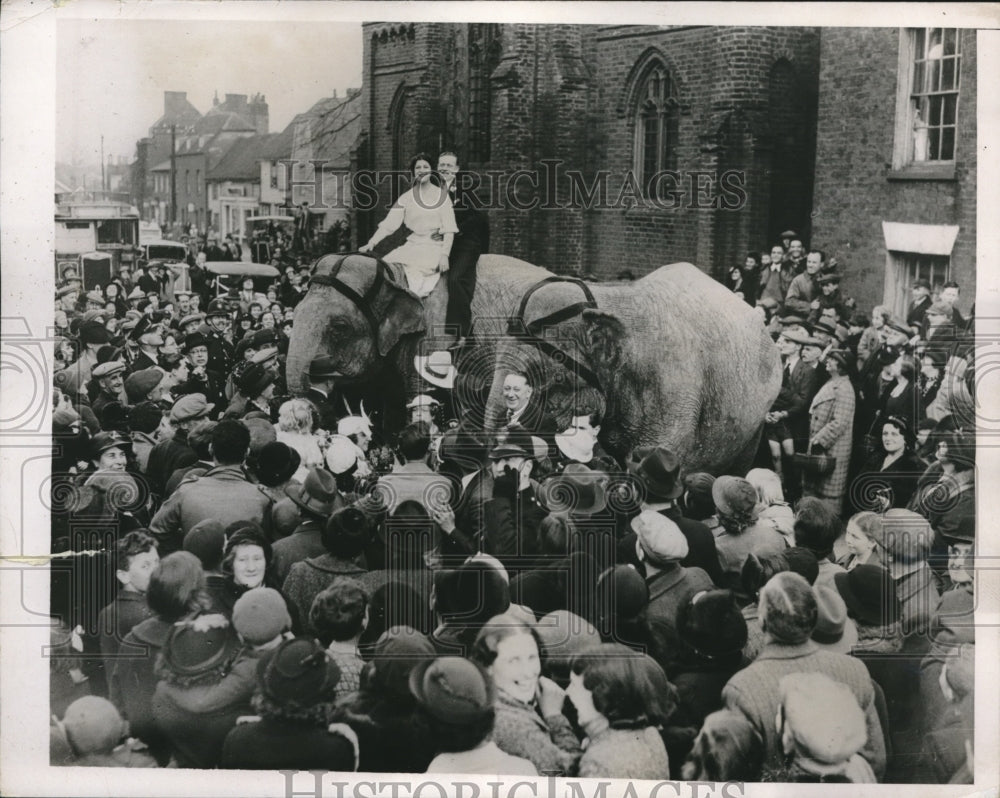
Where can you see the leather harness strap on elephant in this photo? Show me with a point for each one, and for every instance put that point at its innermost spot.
(530, 333)
(363, 303)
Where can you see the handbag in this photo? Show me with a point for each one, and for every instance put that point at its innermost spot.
(815, 462)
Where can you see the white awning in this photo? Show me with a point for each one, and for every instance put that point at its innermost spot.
(926, 239)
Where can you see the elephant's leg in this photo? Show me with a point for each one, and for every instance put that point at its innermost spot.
(435, 313)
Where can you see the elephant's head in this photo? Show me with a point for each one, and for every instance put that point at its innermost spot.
(355, 313)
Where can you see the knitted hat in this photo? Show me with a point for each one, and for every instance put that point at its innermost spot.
(823, 717)
(93, 725)
(276, 462)
(299, 672)
(139, 383)
(626, 589)
(206, 540)
(870, 594)
(260, 615)
(712, 625)
(452, 689)
(660, 539)
(734, 496)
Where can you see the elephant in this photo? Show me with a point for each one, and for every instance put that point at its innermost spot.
(673, 358)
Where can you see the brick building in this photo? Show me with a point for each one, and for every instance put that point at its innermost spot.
(724, 116)
(895, 194)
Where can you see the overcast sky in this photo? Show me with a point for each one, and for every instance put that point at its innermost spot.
(111, 74)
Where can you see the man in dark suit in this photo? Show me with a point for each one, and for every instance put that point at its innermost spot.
(524, 406)
(917, 310)
(787, 421)
(472, 239)
(322, 376)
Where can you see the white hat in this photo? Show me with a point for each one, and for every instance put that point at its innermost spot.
(660, 538)
(352, 425)
(342, 454)
(436, 368)
(422, 400)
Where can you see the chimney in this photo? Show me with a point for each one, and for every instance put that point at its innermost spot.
(257, 114)
(174, 102)
(236, 103)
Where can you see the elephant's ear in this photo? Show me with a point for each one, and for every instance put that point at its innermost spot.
(605, 338)
(404, 314)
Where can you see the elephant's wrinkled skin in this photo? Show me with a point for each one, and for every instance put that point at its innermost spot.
(681, 361)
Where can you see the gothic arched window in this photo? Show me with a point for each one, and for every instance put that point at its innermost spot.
(484, 56)
(656, 114)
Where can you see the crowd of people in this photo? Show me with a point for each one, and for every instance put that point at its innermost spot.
(250, 579)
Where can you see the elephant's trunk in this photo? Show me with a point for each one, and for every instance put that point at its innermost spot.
(306, 342)
(495, 411)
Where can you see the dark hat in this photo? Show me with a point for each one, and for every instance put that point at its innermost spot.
(462, 445)
(255, 379)
(192, 405)
(262, 431)
(626, 588)
(265, 355)
(843, 357)
(247, 533)
(659, 471)
(734, 496)
(142, 326)
(217, 307)
(262, 338)
(195, 339)
(699, 483)
(965, 532)
(103, 441)
(824, 326)
(195, 651)
(145, 417)
(94, 332)
(899, 327)
(452, 689)
(790, 320)
(169, 360)
(348, 523)
(299, 672)
(397, 652)
(829, 277)
(206, 540)
(712, 625)
(870, 594)
(577, 489)
(276, 463)
(516, 442)
(565, 634)
(139, 383)
(107, 368)
(260, 615)
(318, 495)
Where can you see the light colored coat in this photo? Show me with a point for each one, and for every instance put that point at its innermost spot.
(831, 425)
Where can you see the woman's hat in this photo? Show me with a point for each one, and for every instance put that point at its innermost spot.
(103, 441)
(452, 689)
(276, 462)
(193, 340)
(437, 368)
(578, 489)
(712, 625)
(659, 471)
(318, 495)
(342, 454)
(299, 672)
(260, 615)
(194, 650)
(734, 496)
(255, 379)
(397, 652)
(139, 383)
(565, 634)
(843, 357)
(870, 594)
(834, 630)
(627, 591)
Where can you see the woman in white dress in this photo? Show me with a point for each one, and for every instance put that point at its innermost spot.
(426, 210)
